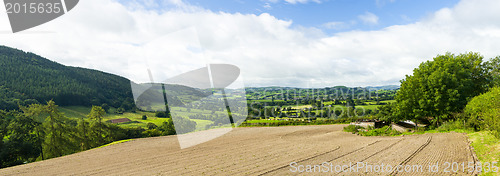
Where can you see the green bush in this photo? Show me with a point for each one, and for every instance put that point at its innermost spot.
(144, 117)
(120, 111)
(161, 114)
(451, 125)
(420, 129)
(294, 122)
(384, 131)
(183, 125)
(152, 133)
(484, 111)
(352, 128)
(151, 126)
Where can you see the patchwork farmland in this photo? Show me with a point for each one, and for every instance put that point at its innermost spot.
(263, 151)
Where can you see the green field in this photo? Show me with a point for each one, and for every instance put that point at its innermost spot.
(263, 121)
(368, 107)
(302, 107)
(136, 118)
(184, 112)
(201, 124)
(75, 111)
(385, 101)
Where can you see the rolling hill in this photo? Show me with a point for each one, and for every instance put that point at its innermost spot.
(27, 78)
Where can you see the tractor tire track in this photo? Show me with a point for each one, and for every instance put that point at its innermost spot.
(316, 156)
(429, 139)
(380, 151)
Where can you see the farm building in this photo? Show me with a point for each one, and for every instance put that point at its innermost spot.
(119, 120)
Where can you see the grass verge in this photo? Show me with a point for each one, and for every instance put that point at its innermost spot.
(116, 142)
(487, 148)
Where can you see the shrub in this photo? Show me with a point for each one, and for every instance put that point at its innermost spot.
(151, 126)
(144, 117)
(352, 128)
(161, 114)
(120, 111)
(167, 127)
(484, 111)
(384, 131)
(451, 125)
(152, 133)
(183, 125)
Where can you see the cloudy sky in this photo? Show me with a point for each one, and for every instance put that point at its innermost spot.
(301, 43)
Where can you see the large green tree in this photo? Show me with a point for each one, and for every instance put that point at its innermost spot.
(22, 145)
(52, 128)
(493, 66)
(97, 127)
(58, 133)
(83, 133)
(441, 87)
(386, 112)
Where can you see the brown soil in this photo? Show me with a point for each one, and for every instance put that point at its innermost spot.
(264, 151)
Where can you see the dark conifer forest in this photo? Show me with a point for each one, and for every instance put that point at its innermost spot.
(26, 78)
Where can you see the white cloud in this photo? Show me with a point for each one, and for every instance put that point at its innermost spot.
(338, 25)
(335, 25)
(105, 35)
(267, 6)
(369, 18)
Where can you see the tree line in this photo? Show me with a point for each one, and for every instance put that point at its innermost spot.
(38, 132)
(450, 88)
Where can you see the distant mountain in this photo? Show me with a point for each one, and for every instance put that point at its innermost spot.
(27, 78)
(371, 88)
(388, 87)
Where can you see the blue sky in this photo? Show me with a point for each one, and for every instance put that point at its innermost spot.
(343, 15)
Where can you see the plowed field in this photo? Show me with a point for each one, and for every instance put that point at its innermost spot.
(300, 150)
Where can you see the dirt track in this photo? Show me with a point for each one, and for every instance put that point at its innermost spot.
(264, 151)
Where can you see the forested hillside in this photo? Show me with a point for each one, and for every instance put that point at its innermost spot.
(27, 78)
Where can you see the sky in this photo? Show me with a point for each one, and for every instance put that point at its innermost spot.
(332, 16)
(295, 43)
